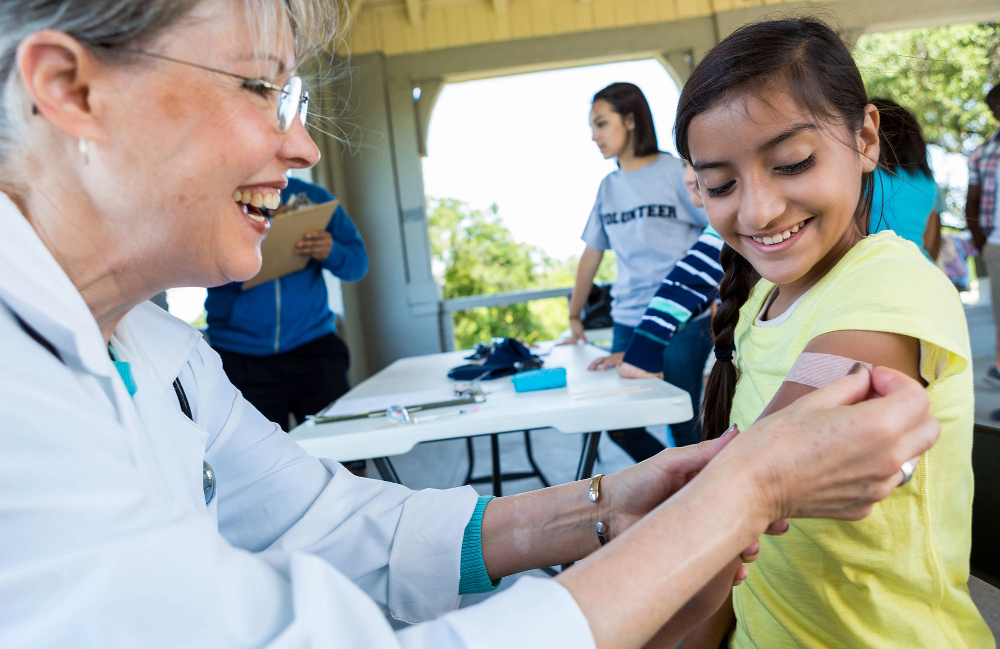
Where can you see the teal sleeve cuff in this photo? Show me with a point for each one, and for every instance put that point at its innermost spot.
(473, 571)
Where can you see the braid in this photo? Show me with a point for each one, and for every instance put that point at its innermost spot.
(734, 290)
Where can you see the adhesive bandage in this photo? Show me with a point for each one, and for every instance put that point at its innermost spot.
(819, 370)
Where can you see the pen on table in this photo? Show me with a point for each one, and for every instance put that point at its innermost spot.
(443, 415)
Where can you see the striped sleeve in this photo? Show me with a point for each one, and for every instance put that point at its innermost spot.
(684, 294)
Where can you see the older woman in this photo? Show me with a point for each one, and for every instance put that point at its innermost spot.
(146, 504)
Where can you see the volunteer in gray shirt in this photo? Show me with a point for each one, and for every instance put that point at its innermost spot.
(644, 213)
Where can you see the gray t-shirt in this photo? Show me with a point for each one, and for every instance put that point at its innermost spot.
(647, 218)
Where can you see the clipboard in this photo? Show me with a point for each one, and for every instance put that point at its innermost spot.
(278, 250)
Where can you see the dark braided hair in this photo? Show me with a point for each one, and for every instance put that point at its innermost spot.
(734, 290)
(816, 67)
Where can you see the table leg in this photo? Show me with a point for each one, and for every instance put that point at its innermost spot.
(497, 475)
(386, 470)
(472, 460)
(588, 455)
(531, 459)
(493, 478)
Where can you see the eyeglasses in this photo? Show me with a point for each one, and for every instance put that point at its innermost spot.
(292, 100)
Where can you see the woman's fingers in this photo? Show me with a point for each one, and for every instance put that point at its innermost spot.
(751, 552)
(855, 449)
(777, 528)
(741, 575)
(694, 457)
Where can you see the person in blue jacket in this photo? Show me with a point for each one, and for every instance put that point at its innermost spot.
(278, 342)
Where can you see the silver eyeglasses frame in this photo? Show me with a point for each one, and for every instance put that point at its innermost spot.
(292, 100)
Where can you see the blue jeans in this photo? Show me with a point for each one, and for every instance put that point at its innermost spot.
(683, 361)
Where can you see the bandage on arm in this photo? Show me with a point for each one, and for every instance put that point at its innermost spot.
(819, 370)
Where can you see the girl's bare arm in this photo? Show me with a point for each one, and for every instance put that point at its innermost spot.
(877, 348)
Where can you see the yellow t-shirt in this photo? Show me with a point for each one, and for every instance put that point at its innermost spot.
(899, 577)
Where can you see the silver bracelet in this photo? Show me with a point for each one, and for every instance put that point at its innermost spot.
(595, 493)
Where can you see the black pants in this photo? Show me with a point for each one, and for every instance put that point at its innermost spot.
(301, 381)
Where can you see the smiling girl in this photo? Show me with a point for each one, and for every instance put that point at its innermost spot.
(777, 124)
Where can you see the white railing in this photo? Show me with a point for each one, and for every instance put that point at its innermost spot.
(492, 299)
(501, 299)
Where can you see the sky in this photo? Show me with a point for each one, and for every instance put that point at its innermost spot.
(523, 142)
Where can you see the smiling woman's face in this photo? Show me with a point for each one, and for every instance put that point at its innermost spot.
(780, 186)
(180, 142)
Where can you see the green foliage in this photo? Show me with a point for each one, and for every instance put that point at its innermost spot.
(474, 253)
(942, 74)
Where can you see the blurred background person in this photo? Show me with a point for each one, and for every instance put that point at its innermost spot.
(644, 213)
(688, 294)
(907, 199)
(981, 212)
(278, 340)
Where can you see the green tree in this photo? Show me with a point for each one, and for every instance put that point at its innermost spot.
(473, 253)
(942, 74)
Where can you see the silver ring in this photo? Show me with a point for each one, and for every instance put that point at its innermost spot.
(907, 469)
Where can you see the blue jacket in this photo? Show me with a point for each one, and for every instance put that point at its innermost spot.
(288, 312)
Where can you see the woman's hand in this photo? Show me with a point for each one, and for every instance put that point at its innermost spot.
(637, 490)
(856, 451)
(629, 371)
(607, 362)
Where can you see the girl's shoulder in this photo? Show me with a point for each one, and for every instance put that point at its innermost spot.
(886, 284)
(886, 262)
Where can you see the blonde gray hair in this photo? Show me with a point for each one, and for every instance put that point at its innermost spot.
(103, 26)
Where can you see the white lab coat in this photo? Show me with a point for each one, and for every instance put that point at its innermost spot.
(105, 538)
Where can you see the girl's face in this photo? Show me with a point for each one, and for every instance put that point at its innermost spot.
(611, 132)
(779, 186)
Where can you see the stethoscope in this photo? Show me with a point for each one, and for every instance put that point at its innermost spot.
(207, 474)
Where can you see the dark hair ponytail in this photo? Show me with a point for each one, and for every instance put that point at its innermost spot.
(815, 66)
(626, 99)
(901, 142)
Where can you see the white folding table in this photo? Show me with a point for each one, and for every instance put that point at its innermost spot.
(591, 402)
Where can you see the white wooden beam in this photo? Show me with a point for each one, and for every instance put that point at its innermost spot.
(499, 6)
(414, 12)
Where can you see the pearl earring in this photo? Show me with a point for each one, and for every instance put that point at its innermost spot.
(84, 150)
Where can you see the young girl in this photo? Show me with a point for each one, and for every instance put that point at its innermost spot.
(776, 123)
(643, 213)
